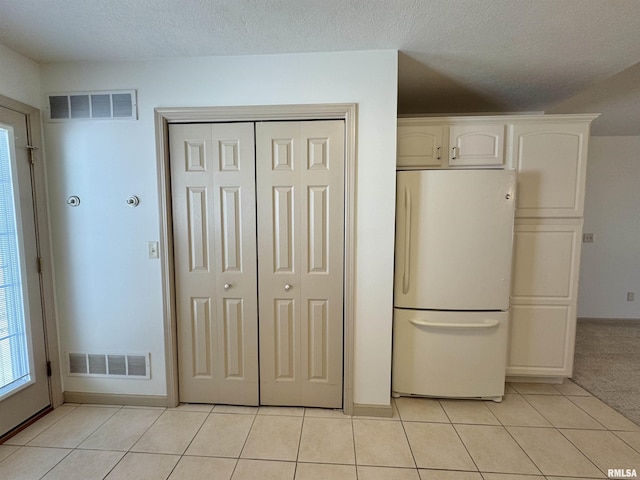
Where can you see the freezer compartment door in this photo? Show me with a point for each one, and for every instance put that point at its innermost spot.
(454, 236)
(449, 354)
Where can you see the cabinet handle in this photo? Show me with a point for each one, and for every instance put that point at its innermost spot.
(287, 287)
(453, 153)
(439, 156)
(227, 286)
(482, 324)
(407, 241)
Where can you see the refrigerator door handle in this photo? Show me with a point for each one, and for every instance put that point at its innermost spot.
(482, 324)
(407, 241)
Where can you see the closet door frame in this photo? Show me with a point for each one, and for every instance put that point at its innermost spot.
(166, 116)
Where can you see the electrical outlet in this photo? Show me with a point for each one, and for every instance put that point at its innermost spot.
(631, 297)
(152, 250)
(587, 238)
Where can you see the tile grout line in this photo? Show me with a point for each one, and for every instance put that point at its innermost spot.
(355, 451)
(568, 397)
(47, 428)
(460, 438)
(444, 410)
(604, 427)
(144, 433)
(504, 427)
(128, 451)
(99, 426)
(553, 427)
(584, 453)
(18, 447)
(618, 436)
(539, 412)
(522, 448)
(453, 425)
(244, 444)
(73, 449)
(53, 466)
(594, 418)
(515, 441)
(191, 441)
(406, 437)
(295, 467)
(115, 465)
(197, 431)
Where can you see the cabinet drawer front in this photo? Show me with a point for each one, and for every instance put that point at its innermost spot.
(450, 354)
(541, 340)
(551, 164)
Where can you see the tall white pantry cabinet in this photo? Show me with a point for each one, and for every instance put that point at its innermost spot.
(549, 153)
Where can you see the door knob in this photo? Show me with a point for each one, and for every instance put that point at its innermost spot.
(227, 286)
(287, 287)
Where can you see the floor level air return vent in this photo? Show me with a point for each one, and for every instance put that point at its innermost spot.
(112, 365)
(113, 105)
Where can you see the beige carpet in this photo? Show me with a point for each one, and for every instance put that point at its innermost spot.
(607, 363)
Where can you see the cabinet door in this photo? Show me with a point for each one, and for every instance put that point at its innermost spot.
(541, 340)
(551, 163)
(420, 145)
(544, 291)
(546, 257)
(476, 145)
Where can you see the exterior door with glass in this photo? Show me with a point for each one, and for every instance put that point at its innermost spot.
(24, 386)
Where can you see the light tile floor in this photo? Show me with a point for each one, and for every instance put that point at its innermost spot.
(537, 432)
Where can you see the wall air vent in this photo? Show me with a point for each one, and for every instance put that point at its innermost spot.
(111, 365)
(113, 105)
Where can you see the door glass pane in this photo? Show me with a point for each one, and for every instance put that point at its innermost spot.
(15, 369)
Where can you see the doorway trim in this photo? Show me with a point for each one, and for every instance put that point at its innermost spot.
(258, 113)
(43, 239)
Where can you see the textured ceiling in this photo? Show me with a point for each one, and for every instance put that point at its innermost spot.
(455, 55)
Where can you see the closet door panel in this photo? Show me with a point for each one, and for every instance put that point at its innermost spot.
(300, 192)
(278, 157)
(213, 203)
(322, 259)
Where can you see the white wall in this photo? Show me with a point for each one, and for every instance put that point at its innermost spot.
(19, 77)
(610, 267)
(109, 293)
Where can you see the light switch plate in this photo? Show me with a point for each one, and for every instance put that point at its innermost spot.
(152, 250)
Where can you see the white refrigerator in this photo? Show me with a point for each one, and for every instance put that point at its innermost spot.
(454, 237)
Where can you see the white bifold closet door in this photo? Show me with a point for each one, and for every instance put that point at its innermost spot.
(214, 232)
(294, 334)
(300, 193)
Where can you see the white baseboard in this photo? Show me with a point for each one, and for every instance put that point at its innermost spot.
(609, 319)
(115, 399)
(527, 379)
(363, 410)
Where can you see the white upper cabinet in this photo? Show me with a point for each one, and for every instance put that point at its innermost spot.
(450, 142)
(551, 160)
(420, 145)
(476, 145)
